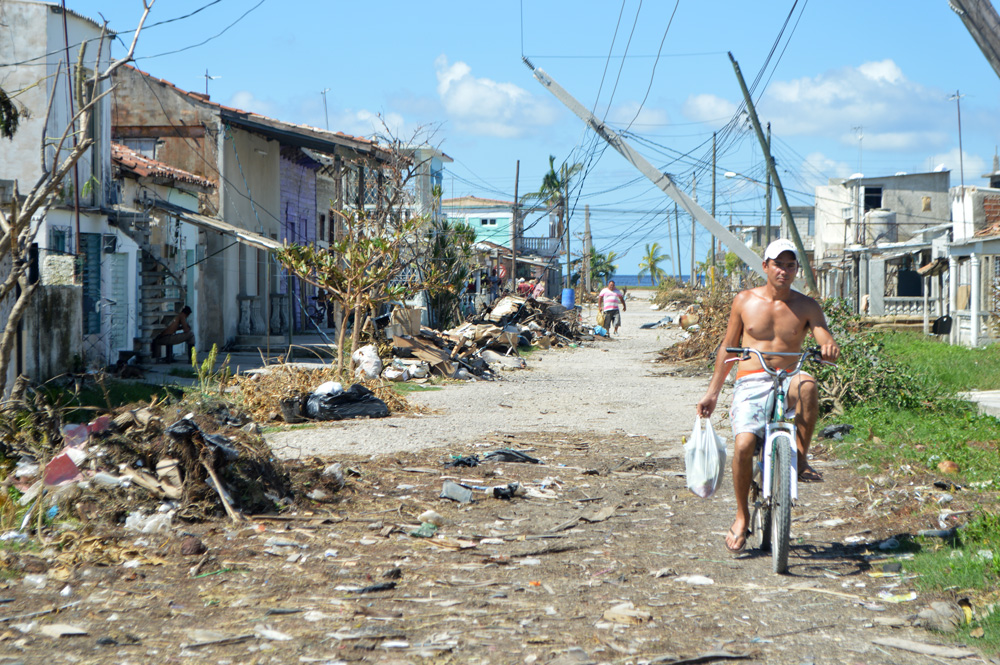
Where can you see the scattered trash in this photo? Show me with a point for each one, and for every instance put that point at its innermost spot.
(355, 402)
(425, 530)
(695, 580)
(375, 588)
(455, 492)
(367, 363)
(666, 320)
(889, 544)
(836, 432)
(508, 455)
(154, 523)
(269, 634)
(61, 630)
(947, 466)
(467, 461)
(889, 597)
(947, 485)
(626, 613)
(507, 492)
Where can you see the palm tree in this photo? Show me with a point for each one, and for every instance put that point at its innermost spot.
(602, 266)
(650, 264)
(552, 193)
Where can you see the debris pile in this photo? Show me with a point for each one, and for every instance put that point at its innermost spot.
(281, 392)
(145, 466)
(705, 325)
(483, 346)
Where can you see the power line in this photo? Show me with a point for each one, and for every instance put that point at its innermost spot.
(202, 43)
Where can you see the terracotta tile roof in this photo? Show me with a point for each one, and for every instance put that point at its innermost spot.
(131, 161)
(988, 231)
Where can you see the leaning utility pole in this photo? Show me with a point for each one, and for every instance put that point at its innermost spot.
(713, 206)
(585, 259)
(807, 271)
(983, 23)
(657, 177)
(569, 275)
(767, 197)
(677, 227)
(513, 230)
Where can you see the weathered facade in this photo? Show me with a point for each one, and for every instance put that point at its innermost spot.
(68, 323)
(266, 171)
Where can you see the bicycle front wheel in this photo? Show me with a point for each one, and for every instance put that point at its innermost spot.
(781, 501)
(760, 509)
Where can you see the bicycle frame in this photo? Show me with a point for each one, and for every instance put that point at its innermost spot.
(778, 447)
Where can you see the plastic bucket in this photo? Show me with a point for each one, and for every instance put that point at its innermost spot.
(569, 298)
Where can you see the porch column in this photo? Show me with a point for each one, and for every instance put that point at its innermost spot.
(974, 277)
(953, 297)
(927, 306)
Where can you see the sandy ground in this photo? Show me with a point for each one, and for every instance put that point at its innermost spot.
(606, 385)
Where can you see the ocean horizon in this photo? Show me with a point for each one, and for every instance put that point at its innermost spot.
(633, 280)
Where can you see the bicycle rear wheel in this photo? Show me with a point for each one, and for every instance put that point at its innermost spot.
(781, 501)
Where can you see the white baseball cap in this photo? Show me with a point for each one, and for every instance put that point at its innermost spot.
(778, 246)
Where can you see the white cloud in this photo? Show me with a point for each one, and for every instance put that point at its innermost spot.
(894, 112)
(973, 165)
(245, 100)
(708, 108)
(817, 169)
(630, 113)
(485, 107)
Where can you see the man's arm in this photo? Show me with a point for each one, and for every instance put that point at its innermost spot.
(733, 337)
(821, 333)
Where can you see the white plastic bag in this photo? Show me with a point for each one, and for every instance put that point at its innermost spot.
(704, 459)
(367, 363)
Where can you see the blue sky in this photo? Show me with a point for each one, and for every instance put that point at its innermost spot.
(454, 69)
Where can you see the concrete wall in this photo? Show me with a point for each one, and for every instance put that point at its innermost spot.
(976, 210)
(52, 341)
(500, 233)
(186, 129)
(299, 217)
(33, 32)
(253, 163)
(920, 200)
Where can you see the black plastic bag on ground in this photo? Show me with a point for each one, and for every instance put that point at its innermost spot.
(355, 402)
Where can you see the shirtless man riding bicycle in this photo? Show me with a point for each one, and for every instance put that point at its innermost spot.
(772, 318)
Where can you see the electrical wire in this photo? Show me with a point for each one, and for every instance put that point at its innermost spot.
(202, 43)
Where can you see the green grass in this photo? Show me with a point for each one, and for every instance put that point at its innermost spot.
(966, 566)
(955, 368)
(183, 372)
(915, 441)
(82, 407)
(404, 388)
(886, 437)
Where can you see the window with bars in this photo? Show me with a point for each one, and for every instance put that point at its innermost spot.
(90, 279)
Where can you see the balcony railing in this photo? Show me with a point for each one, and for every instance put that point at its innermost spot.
(540, 246)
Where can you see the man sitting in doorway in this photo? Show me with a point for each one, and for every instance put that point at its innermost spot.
(170, 336)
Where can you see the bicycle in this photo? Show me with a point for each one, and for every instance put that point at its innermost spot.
(773, 494)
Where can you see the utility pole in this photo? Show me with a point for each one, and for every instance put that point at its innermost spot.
(662, 180)
(326, 113)
(586, 247)
(767, 197)
(565, 179)
(807, 271)
(713, 205)
(677, 228)
(961, 162)
(513, 229)
(694, 196)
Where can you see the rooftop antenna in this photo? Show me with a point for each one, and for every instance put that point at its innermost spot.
(207, 79)
(325, 112)
(860, 132)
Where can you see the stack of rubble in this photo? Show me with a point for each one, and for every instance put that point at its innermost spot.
(483, 346)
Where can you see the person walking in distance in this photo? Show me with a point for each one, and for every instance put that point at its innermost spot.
(769, 318)
(612, 303)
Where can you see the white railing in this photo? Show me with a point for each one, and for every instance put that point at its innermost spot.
(542, 246)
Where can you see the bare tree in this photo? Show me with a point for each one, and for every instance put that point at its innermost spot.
(383, 252)
(17, 232)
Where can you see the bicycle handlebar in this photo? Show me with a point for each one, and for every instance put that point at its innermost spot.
(813, 352)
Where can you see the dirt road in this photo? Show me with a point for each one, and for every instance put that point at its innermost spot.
(608, 559)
